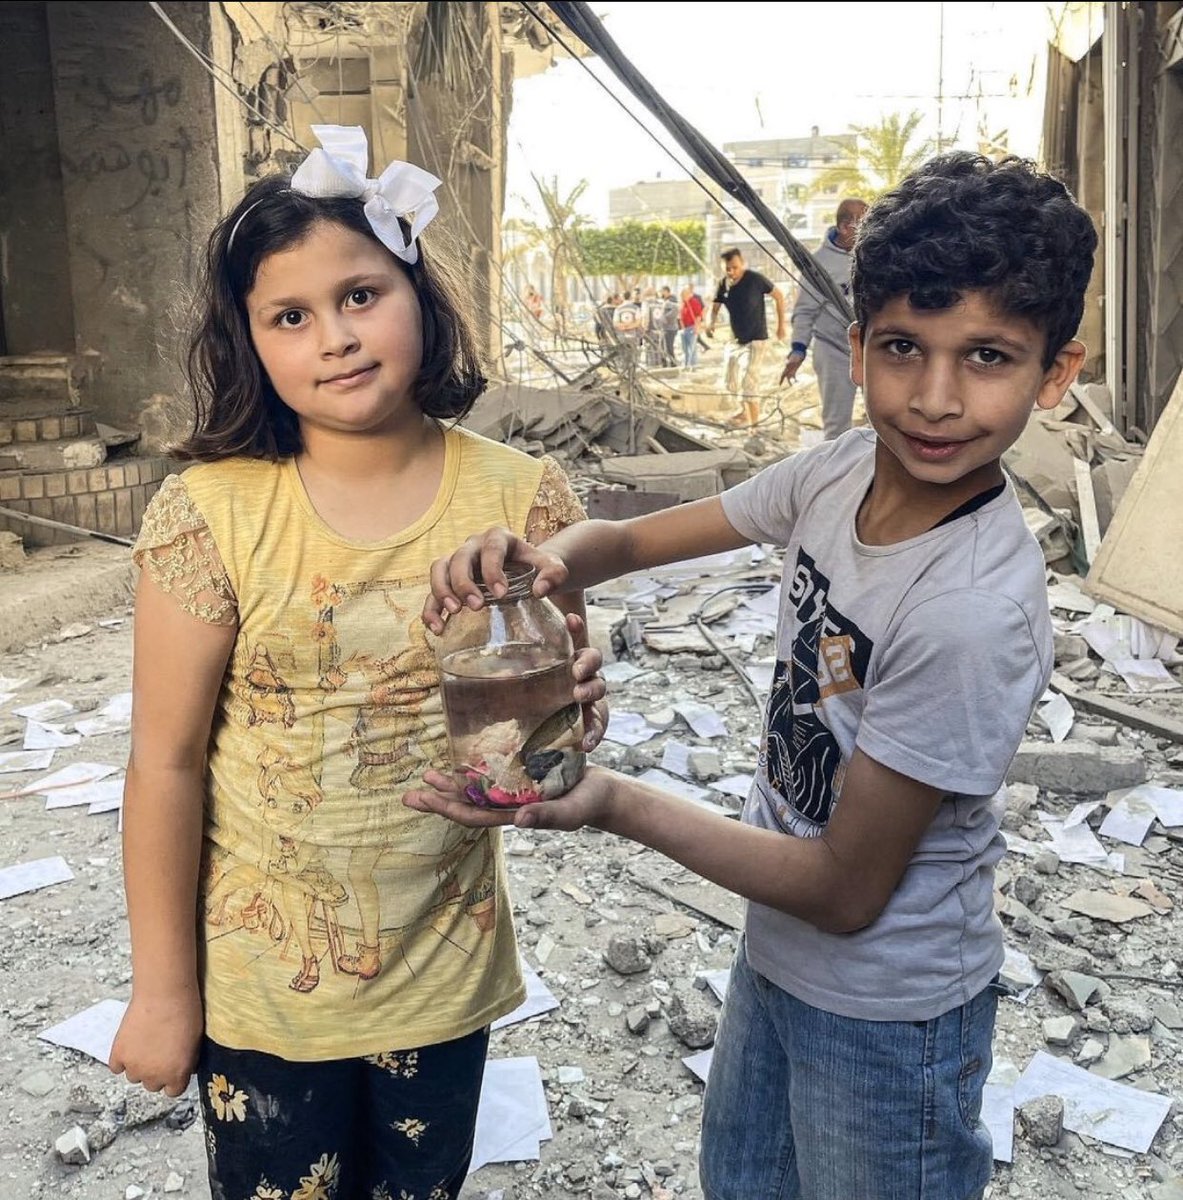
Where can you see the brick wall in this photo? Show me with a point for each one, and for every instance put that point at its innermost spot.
(109, 499)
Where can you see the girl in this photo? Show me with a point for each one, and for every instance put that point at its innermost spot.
(335, 990)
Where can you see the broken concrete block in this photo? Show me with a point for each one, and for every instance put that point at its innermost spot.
(36, 1083)
(690, 1021)
(72, 1147)
(12, 551)
(1077, 767)
(1059, 1031)
(1105, 906)
(637, 1019)
(1090, 1050)
(1072, 987)
(626, 956)
(1124, 1056)
(1129, 1015)
(1069, 646)
(1042, 1120)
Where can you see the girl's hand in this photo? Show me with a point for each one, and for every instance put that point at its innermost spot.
(453, 585)
(589, 802)
(158, 1040)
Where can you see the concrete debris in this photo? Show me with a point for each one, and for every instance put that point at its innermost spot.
(1075, 989)
(72, 1147)
(690, 1021)
(1077, 768)
(626, 956)
(12, 551)
(1042, 1120)
(625, 939)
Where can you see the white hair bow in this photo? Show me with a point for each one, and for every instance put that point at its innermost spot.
(339, 169)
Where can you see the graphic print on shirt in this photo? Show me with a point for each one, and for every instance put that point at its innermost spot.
(828, 656)
(295, 902)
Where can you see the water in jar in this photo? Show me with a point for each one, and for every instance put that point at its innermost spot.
(515, 732)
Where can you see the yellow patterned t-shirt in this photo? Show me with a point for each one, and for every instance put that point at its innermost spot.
(335, 921)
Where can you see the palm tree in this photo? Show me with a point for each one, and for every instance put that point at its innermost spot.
(881, 156)
(555, 228)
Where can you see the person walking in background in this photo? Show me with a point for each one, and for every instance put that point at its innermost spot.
(742, 292)
(690, 320)
(814, 319)
(669, 327)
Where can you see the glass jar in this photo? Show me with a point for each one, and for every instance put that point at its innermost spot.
(515, 733)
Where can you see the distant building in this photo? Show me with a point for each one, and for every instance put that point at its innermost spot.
(658, 200)
(784, 172)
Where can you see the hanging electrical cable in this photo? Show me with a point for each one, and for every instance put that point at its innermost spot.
(579, 18)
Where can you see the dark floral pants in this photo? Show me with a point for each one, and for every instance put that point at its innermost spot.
(393, 1126)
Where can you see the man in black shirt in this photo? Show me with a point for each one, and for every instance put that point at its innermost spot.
(742, 292)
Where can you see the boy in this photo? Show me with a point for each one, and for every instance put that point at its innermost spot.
(914, 640)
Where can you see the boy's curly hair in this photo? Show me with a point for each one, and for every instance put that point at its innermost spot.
(963, 222)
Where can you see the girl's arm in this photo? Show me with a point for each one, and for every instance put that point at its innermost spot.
(177, 673)
(581, 555)
(840, 881)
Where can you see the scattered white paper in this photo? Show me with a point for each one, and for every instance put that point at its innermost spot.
(79, 772)
(675, 756)
(1102, 1108)
(512, 1119)
(107, 793)
(1128, 820)
(92, 1031)
(1167, 803)
(25, 760)
(734, 785)
(760, 674)
(1020, 972)
(10, 685)
(703, 719)
(1075, 842)
(1069, 598)
(765, 602)
(1058, 715)
(998, 1115)
(699, 1064)
(679, 787)
(1144, 675)
(30, 876)
(48, 737)
(539, 999)
(45, 710)
(628, 728)
(717, 981)
(620, 672)
(113, 717)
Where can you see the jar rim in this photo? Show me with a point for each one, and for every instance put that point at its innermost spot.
(519, 578)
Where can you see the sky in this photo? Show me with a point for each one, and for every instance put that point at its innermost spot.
(757, 70)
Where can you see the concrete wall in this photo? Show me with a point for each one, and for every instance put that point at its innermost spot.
(36, 311)
(137, 139)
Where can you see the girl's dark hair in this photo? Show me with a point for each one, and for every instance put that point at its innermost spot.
(237, 410)
(963, 222)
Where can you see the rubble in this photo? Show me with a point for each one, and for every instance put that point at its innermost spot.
(1043, 1120)
(1077, 768)
(629, 943)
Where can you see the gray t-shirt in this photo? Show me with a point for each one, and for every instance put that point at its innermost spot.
(928, 655)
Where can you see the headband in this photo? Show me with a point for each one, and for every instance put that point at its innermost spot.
(339, 169)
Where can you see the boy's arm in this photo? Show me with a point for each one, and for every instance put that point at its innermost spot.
(839, 882)
(581, 555)
(177, 673)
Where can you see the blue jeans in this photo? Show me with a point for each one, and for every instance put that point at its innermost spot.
(689, 346)
(805, 1105)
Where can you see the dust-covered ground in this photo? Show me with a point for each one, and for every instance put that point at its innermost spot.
(624, 1108)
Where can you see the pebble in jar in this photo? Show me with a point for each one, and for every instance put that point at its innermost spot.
(515, 735)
